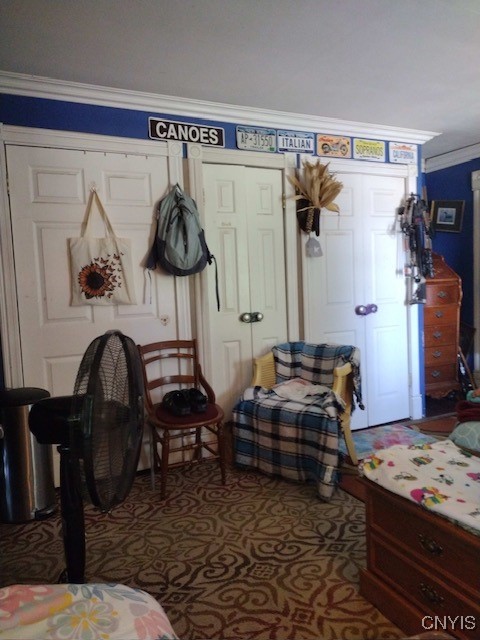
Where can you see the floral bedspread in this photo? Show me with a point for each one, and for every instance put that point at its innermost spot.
(438, 476)
(81, 612)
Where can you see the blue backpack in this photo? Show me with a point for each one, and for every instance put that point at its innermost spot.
(179, 246)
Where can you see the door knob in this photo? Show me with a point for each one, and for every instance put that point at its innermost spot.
(251, 316)
(362, 310)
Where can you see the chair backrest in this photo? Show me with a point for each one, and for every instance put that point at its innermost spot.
(288, 362)
(315, 362)
(319, 360)
(169, 365)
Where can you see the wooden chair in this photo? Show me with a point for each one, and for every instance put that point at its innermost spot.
(168, 366)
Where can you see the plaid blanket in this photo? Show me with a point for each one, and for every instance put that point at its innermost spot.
(316, 362)
(295, 439)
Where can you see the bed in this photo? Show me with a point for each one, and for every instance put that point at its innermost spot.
(81, 612)
(423, 537)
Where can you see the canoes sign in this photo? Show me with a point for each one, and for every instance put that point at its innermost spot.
(160, 129)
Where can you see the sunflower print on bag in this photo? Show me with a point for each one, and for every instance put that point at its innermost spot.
(101, 277)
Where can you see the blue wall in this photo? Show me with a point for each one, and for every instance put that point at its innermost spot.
(42, 113)
(454, 183)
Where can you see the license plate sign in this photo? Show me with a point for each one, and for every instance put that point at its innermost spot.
(254, 139)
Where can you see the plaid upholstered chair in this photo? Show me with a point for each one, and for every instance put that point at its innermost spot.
(289, 421)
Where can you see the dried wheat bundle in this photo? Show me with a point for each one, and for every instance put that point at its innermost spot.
(319, 187)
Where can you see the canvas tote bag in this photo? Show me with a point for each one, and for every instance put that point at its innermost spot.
(101, 268)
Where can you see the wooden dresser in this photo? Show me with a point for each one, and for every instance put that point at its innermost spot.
(442, 330)
(420, 564)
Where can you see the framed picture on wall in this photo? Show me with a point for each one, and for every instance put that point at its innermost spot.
(447, 215)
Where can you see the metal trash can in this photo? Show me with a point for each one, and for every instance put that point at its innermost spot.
(27, 490)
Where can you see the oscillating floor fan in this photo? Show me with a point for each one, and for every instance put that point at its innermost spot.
(99, 432)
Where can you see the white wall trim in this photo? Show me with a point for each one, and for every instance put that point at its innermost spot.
(476, 265)
(452, 158)
(49, 88)
(415, 339)
(371, 168)
(9, 322)
(32, 137)
(182, 284)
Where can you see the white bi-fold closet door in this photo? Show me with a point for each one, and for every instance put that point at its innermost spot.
(362, 265)
(49, 188)
(244, 228)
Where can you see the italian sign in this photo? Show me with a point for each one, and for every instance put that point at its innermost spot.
(256, 139)
(334, 146)
(402, 152)
(369, 150)
(296, 141)
(160, 129)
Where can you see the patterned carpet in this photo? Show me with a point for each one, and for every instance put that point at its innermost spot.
(260, 558)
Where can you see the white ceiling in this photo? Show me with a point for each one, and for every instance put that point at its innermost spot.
(401, 63)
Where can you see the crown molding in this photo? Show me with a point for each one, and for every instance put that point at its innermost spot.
(452, 158)
(51, 89)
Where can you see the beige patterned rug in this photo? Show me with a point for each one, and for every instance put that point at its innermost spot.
(260, 558)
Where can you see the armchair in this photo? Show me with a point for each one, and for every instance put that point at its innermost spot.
(289, 421)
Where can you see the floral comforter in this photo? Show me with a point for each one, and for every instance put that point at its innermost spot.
(81, 612)
(438, 476)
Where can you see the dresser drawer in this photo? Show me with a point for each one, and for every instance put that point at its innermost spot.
(440, 355)
(441, 315)
(440, 373)
(440, 334)
(440, 294)
(417, 584)
(430, 538)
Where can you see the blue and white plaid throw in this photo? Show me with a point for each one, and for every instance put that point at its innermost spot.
(296, 439)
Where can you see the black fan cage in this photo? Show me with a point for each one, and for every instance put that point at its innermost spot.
(107, 418)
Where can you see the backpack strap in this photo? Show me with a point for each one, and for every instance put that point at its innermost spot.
(211, 258)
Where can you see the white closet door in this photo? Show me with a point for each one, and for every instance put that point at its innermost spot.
(48, 194)
(360, 266)
(244, 230)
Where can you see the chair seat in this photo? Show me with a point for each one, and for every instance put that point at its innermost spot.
(296, 440)
(212, 415)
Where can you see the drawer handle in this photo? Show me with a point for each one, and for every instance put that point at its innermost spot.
(439, 314)
(437, 354)
(430, 594)
(430, 545)
(442, 294)
(437, 335)
(436, 374)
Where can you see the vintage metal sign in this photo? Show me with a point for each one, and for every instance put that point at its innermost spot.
(160, 129)
(369, 150)
(334, 146)
(402, 153)
(296, 141)
(256, 139)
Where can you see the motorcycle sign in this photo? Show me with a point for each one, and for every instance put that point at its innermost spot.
(333, 146)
